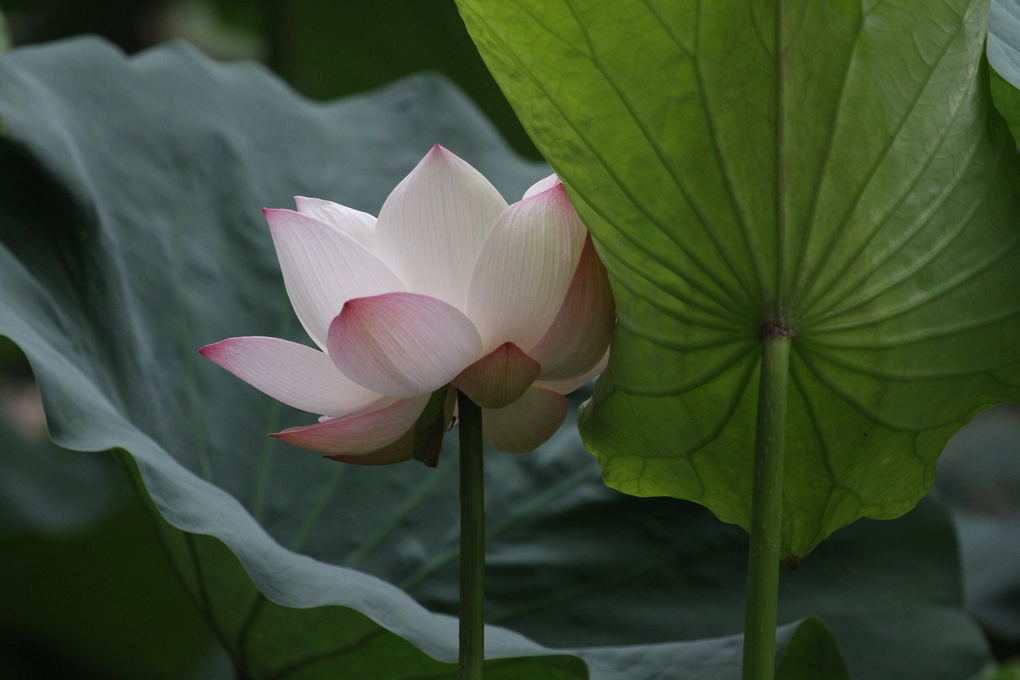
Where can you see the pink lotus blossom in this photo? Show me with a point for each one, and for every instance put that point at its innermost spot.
(448, 287)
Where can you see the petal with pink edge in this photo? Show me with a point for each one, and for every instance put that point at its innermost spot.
(542, 185)
(583, 327)
(358, 434)
(358, 225)
(402, 344)
(434, 223)
(499, 378)
(569, 385)
(297, 375)
(396, 452)
(525, 269)
(323, 268)
(525, 424)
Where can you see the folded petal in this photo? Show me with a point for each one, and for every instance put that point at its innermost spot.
(297, 375)
(542, 185)
(525, 269)
(499, 378)
(323, 268)
(358, 225)
(570, 384)
(525, 424)
(433, 224)
(358, 434)
(402, 344)
(583, 327)
(395, 452)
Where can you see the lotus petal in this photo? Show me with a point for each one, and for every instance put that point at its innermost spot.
(432, 226)
(542, 185)
(297, 375)
(402, 344)
(364, 433)
(569, 385)
(323, 268)
(525, 424)
(525, 269)
(358, 225)
(583, 327)
(499, 378)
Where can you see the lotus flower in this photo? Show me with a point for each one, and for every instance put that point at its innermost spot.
(448, 287)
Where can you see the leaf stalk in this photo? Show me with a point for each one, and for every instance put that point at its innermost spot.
(472, 541)
(766, 507)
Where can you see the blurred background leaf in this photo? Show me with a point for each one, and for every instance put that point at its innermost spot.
(812, 653)
(324, 49)
(979, 475)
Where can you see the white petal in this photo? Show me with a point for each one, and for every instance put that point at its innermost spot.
(359, 434)
(402, 344)
(297, 375)
(323, 268)
(525, 269)
(569, 385)
(525, 424)
(358, 225)
(542, 185)
(433, 224)
(583, 327)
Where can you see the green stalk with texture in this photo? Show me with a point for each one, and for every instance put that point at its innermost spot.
(472, 541)
(766, 508)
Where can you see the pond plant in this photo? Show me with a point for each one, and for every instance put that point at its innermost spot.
(796, 221)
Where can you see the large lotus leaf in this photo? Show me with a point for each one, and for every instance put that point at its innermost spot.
(833, 168)
(580, 564)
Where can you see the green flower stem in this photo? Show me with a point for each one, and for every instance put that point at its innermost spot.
(766, 508)
(472, 541)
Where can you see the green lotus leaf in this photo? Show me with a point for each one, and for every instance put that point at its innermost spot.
(833, 169)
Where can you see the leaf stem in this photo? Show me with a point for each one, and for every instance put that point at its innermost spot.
(472, 541)
(766, 507)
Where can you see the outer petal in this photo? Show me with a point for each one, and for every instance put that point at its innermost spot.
(583, 327)
(358, 225)
(433, 224)
(402, 344)
(525, 269)
(395, 452)
(323, 268)
(297, 375)
(358, 434)
(525, 424)
(569, 385)
(542, 185)
(499, 378)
